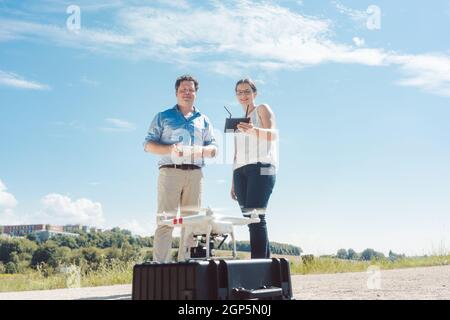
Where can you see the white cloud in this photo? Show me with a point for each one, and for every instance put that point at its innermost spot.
(89, 6)
(273, 35)
(356, 15)
(180, 4)
(138, 228)
(8, 217)
(91, 39)
(32, 8)
(429, 72)
(7, 204)
(257, 35)
(13, 80)
(233, 38)
(90, 82)
(268, 32)
(72, 124)
(60, 209)
(6, 35)
(7, 200)
(359, 42)
(57, 209)
(118, 125)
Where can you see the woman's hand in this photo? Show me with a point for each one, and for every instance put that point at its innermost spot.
(233, 194)
(246, 127)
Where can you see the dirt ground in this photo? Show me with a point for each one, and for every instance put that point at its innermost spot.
(406, 284)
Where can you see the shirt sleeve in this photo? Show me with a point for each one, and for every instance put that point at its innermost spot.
(155, 131)
(208, 138)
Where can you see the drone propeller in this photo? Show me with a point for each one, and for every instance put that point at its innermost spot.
(186, 221)
(166, 215)
(207, 210)
(240, 221)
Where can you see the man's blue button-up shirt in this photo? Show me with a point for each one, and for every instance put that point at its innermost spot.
(171, 126)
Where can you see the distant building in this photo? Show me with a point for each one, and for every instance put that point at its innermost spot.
(44, 235)
(75, 228)
(43, 231)
(94, 230)
(26, 229)
(2, 234)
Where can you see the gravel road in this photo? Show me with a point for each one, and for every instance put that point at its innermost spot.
(410, 284)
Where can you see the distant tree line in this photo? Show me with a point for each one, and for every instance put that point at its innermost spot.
(115, 237)
(93, 250)
(275, 247)
(89, 251)
(367, 255)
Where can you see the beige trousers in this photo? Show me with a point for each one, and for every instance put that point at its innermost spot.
(176, 189)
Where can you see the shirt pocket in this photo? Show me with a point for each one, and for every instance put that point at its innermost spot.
(200, 132)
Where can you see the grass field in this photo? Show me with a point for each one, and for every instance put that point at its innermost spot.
(121, 273)
(331, 265)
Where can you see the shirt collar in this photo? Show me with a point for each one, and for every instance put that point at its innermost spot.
(194, 113)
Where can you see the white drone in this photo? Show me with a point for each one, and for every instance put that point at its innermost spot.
(209, 225)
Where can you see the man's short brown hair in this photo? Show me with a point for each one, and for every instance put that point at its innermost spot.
(186, 77)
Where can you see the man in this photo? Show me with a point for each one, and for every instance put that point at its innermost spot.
(182, 137)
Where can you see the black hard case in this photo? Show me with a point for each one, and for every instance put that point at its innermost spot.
(213, 280)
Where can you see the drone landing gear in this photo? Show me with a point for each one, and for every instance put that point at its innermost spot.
(202, 251)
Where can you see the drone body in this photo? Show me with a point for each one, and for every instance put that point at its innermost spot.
(209, 225)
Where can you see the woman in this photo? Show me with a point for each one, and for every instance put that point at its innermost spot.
(254, 164)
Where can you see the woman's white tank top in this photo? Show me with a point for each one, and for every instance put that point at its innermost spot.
(251, 149)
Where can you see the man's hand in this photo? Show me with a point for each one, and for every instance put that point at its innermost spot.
(176, 149)
(197, 152)
(194, 153)
(209, 151)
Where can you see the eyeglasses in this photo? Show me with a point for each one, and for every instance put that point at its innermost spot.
(186, 91)
(246, 92)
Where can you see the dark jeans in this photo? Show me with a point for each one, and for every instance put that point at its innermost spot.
(253, 191)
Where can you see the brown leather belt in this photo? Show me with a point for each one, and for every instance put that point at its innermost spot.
(181, 166)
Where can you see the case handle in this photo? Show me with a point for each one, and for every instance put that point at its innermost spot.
(261, 293)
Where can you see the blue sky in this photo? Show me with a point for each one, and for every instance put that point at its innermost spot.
(361, 104)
